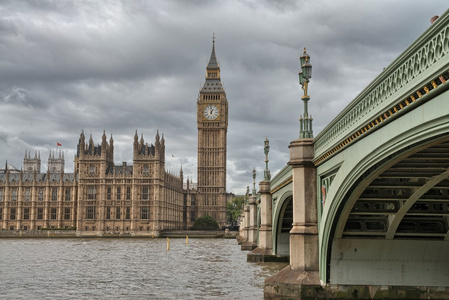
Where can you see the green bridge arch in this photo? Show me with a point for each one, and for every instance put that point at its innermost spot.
(281, 241)
(357, 167)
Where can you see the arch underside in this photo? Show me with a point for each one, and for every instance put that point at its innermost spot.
(282, 226)
(397, 228)
(409, 200)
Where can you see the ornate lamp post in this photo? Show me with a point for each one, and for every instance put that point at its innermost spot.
(305, 74)
(254, 182)
(267, 175)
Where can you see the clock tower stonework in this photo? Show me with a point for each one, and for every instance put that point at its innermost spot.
(212, 120)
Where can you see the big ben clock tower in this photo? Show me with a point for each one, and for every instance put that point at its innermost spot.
(212, 119)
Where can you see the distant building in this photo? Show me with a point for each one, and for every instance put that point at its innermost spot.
(99, 197)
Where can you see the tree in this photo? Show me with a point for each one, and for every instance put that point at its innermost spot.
(205, 223)
(234, 209)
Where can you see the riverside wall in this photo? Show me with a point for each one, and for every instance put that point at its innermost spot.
(74, 234)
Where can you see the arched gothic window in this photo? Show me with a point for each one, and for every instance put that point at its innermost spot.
(92, 170)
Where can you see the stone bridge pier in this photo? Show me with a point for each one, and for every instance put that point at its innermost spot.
(301, 278)
(251, 218)
(264, 253)
(244, 226)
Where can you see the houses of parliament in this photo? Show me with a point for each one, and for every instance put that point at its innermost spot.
(101, 198)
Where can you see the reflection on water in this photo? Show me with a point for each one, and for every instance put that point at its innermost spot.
(129, 269)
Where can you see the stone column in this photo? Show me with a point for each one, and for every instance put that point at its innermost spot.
(60, 199)
(264, 250)
(47, 196)
(19, 212)
(304, 233)
(245, 225)
(101, 206)
(79, 210)
(301, 277)
(74, 203)
(134, 192)
(265, 230)
(6, 202)
(241, 238)
(251, 243)
(33, 206)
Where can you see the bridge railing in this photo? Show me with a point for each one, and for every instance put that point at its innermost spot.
(422, 68)
(282, 178)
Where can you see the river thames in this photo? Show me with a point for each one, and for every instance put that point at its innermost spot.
(129, 269)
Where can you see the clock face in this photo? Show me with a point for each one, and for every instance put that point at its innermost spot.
(211, 112)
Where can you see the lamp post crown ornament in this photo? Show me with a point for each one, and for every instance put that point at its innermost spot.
(305, 121)
(267, 175)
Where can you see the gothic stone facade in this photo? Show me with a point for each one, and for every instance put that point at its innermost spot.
(103, 198)
(99, 198)
(212, 121)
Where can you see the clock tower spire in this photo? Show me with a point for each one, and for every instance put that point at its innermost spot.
(212, 121)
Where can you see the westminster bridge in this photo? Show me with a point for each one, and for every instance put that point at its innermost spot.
(362, 210)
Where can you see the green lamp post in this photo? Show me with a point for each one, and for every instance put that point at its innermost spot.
(254, 182)
(267, 175)
(305, 121)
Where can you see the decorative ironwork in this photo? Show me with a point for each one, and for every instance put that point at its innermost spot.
(386, 114)
(389, 92)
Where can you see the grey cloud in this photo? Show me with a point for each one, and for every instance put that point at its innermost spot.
(122, 66)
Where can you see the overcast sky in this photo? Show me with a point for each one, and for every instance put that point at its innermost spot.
(122, 66)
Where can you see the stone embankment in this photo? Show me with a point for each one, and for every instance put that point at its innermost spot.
(73, 234)
(199, 234)
(37, 233)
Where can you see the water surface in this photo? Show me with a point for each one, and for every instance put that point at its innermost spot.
(129, 269)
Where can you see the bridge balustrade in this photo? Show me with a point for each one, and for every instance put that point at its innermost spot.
(421, 69)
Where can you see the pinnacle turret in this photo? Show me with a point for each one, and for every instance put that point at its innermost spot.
(31, 164)
(55, 162)
(91, 142)
(103, 139)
